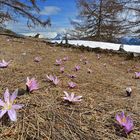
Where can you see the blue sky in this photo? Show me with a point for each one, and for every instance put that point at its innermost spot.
(60, 12)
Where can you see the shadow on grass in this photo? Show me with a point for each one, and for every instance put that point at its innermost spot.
(66, 103)
(22, 92)
(119, 131)
(5, 120)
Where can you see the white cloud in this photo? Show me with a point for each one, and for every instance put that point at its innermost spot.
(50, 10)
(77, 20)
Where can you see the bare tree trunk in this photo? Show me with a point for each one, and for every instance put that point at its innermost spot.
(100, 20)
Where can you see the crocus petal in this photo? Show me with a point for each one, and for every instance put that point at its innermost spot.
(6, 95)
(19, 106)
(128, 128)
(1, 103)
(122, 115)
(12, 114)
(118, 118)
(66, 94)
(72, 96)
(34, 86)
(65, 98)
(78, 97)
(137, 74)
(49, 77)
(79, 100)
(121, 119)
(3, 64)
(2, 112)
(14, 95)
(27, 81)
(31, 84)
(129, 125)
(55, 81)
(3, 61)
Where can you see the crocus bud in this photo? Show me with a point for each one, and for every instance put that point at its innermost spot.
(128, 91)
(89, 70)
(4, 64)
(98, 56)
(71, 84)
(58, 62)
(137, 75)
(37, 59)
(77, 67)
(62, 69)
(31, 84)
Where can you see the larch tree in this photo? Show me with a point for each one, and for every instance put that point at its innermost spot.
(100, 20)
(11, 10)
(132, 14)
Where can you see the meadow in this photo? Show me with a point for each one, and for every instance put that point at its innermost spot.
(101, 81)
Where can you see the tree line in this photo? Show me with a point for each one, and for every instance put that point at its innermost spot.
(107, 20)
(100, 20)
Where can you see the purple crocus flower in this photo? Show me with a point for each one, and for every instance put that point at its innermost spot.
(77, 67)
(65, 58)
(37, 59)
(62, 69)
(121, 119)
(137, 75)
(31, 84)
(125, 122)
(53, 79)
(98, 56)
(8, 106)
(4, 64)
(71, 84)
(70, 97)
(58, 62)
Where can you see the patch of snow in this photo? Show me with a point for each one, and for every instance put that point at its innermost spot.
(103, 45)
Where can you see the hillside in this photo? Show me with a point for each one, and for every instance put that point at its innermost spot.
(45, 116)
(8, 32)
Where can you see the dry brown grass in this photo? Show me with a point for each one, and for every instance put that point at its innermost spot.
(45, 116)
